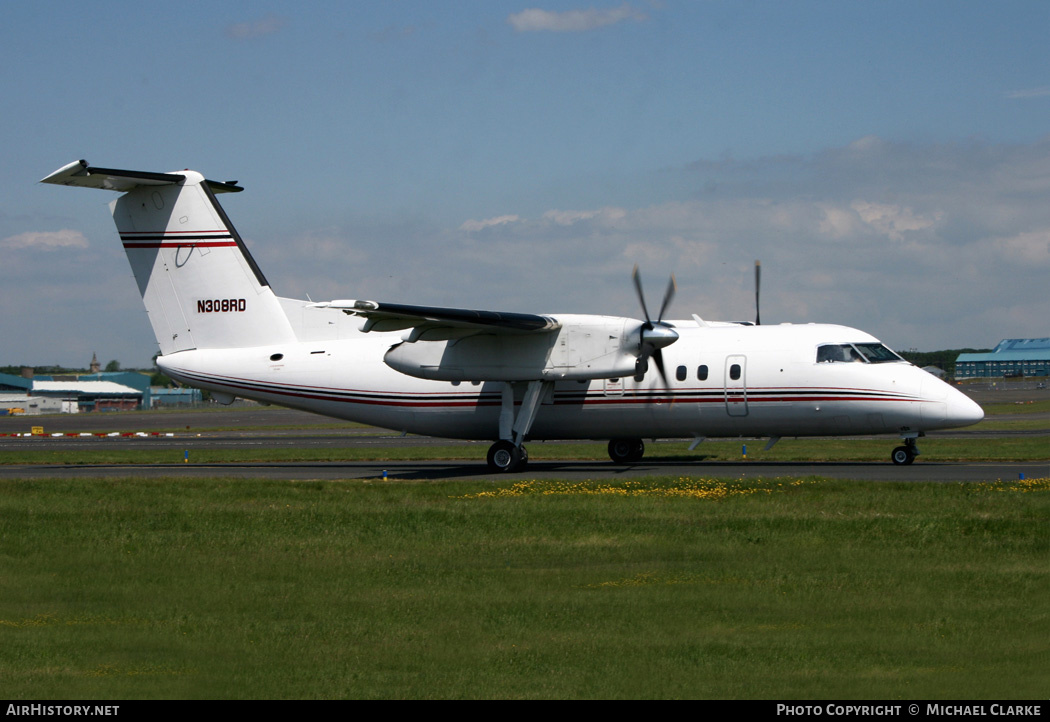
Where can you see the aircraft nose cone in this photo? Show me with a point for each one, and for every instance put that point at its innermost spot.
(962, 410)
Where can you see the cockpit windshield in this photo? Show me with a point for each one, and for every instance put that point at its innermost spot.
(872, 353)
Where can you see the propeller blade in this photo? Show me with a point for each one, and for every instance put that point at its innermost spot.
(658, 359)
(641, 295)
(758, 286)
(668, 295)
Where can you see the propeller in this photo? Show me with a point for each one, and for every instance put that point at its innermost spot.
(653, 335)
(758, 285)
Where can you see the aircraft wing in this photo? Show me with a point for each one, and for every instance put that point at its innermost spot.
(467, 345)
(434, 323)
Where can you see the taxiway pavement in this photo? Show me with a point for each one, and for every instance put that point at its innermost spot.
(272, 427)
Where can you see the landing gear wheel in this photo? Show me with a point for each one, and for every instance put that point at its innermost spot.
(504, 456)
(626, 451)
(902, 455)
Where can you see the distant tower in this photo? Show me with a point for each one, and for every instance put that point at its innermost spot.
(95, 367)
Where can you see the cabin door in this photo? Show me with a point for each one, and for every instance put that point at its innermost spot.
(736, 385)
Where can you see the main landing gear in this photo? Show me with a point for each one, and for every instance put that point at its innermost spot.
(626, 451)
(508, 454)
(903, 455)
(504, 456)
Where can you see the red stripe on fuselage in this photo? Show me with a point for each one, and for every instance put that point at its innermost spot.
(374, 398)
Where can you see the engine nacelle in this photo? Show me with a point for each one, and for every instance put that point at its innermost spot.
(585, 347)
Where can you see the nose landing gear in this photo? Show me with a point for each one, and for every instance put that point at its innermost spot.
(903, 455)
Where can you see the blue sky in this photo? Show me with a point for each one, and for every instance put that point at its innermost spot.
(889, 162)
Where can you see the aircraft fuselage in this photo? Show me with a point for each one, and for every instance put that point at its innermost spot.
(729, 380)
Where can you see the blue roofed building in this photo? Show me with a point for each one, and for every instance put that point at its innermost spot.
(95, 391)
(92, 392)
(1013, 357)
(166, 398)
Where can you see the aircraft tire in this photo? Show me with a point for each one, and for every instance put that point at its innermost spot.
(626, 451)
(902, 456)
(504, 456)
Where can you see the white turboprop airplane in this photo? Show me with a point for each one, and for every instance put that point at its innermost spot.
(505, 377)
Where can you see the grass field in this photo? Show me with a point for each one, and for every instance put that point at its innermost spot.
(656, 588)
(651, 588)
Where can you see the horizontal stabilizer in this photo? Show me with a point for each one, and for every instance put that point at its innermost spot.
(79, 173)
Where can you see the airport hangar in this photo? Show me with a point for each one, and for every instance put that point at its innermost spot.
(73, 393)
(1012, 358)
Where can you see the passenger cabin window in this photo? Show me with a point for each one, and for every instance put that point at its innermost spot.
(734, 372)
(701, 373)
(679, 373)
(871, 353)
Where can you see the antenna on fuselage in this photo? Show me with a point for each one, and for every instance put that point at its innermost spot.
(758, 286)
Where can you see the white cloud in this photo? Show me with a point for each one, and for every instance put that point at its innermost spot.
(837, 222)
(606, 216)
(323, 245)
(473, 226)
(891, 220)
(1040, 92)
(567, 218)
(46, 240)
(647, 255)
(256, 28)
(1025, 249)
(571, 21)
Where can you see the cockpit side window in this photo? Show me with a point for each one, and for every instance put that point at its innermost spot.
(874, 353)
(838, 353)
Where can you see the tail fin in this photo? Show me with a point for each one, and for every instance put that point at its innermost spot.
(201, 286)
